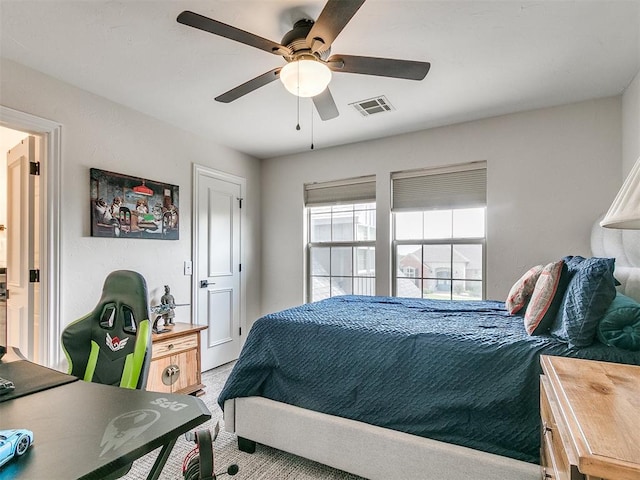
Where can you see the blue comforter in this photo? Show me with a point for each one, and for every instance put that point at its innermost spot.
(460, 372)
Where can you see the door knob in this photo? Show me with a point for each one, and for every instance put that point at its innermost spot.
(205, 283)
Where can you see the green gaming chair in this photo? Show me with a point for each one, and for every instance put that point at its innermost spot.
(112, 344)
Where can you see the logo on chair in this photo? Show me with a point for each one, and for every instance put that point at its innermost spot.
(115, 343)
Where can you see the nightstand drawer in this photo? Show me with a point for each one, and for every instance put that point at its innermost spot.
(557, 464)
(172, 346)
(554, 458)
(548, 473)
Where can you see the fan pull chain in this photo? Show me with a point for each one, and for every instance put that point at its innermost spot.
(311, 127)
(298, 125)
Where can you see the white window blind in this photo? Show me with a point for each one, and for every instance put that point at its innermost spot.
(457, 186)
(354, 190)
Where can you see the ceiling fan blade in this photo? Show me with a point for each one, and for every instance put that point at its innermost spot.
(207, 24)
(249, 86)
(333, 18)
(382, 67)
(325, 105)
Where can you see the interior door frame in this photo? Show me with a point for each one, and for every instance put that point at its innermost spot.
(199, 170)
(50, 184)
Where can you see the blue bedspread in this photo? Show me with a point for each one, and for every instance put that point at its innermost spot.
(460, 372)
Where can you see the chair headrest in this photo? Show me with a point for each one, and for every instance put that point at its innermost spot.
(123, 291)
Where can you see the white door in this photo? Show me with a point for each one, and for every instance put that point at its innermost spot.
(22, 188)
(217, 204)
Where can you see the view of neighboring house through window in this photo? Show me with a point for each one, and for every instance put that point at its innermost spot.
(439, 241)
(341, 235)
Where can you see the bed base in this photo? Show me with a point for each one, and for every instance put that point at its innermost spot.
(366, 450)
(245, 445)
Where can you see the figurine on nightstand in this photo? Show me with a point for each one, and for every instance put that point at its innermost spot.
(165, 311)
(167, 299)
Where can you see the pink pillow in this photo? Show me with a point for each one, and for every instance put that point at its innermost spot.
(546, 298)
(523, 289)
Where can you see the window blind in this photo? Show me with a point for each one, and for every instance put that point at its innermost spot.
(457, 186)
(354, 190)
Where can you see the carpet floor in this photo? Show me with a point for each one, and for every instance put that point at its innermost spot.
(265, 464)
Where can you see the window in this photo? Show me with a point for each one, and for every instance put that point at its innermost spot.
(439, 237)
(341, 234)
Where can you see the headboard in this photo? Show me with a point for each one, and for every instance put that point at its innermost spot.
(624, 246)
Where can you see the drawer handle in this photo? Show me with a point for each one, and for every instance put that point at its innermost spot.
(170, 346)
(547, 429)
(545, 474)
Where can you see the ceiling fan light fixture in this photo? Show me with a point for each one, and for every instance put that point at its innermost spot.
(305, 78)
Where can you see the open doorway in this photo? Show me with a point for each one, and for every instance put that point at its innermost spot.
(42, 341)
(19, 311)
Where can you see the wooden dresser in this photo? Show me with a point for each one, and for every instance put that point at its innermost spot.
(175, 360)
(590, 415)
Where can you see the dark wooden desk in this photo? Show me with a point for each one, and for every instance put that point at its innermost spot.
(87, 430)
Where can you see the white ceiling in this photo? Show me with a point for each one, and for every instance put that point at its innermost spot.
(487, 58)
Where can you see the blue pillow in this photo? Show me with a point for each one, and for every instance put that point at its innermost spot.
(589, 294)
(573, 263)
(620, 326)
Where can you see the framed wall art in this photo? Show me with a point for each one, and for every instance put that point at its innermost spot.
(123, 206)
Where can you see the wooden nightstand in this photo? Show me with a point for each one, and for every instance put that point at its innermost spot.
(590, 415)
(175, 360)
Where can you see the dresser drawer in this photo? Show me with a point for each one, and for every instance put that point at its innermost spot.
(548, 470)
(554, 450)
(557, 466)
(173, 346)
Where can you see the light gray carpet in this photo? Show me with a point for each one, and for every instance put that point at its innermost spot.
(266, 464)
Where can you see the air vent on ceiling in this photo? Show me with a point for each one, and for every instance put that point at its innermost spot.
(372, 106)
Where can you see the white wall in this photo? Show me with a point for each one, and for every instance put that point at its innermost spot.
(101, 134)
(551, 173)
(631, 125)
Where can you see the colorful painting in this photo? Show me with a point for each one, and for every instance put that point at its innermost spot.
(123, 206)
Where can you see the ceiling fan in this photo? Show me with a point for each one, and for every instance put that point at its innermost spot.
(306, 49)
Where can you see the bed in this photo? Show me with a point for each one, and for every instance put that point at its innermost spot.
(387, 387)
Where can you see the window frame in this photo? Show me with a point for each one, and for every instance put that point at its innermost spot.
(450, 187)
(353, 244)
